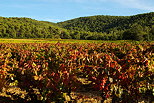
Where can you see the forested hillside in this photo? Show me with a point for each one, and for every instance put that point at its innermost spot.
(137, 27)
(29, 28)
(118, 27)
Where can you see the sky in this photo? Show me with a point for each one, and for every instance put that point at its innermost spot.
(62, 10)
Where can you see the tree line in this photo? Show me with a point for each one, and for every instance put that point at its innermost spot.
(137, 27)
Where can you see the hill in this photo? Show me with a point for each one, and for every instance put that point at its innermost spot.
(118, 27)
(100, 27)
(14, 27)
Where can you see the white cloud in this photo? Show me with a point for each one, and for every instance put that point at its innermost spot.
(139, 4)
(51, 20)
(79, 1)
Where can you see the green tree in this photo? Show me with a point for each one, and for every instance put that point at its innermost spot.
(134, 33)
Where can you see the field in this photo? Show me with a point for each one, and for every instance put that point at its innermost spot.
(48, 41)
(76, 71)
(62, 41)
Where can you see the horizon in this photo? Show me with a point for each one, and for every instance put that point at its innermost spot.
(59, 10)
(73, 18)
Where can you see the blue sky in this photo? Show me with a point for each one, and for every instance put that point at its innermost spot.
(61, 10)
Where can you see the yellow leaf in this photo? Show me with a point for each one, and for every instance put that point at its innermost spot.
(36, 77)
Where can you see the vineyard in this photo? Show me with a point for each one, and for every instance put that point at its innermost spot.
(64, 72)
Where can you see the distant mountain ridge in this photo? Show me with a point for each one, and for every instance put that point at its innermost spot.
(99, 27)
(15, 27)
(101, 23)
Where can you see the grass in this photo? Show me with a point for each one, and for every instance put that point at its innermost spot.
(2, 40)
